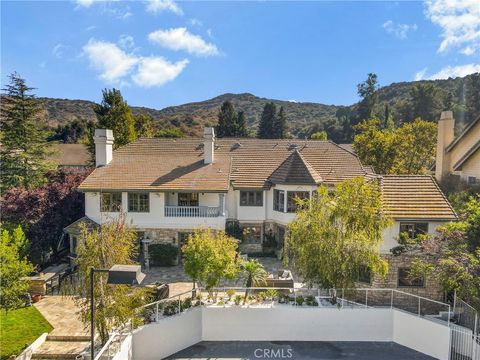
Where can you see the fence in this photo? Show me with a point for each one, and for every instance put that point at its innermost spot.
(465, 337)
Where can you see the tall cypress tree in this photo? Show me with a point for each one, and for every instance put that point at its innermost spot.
(241, 130)
(267, 122)
(367, 90)
(24, 137)
(114, 113)
(227, 120)
(280, 125)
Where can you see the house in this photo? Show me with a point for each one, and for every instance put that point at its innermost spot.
(167, 188)
(458, 155)
(70, 156)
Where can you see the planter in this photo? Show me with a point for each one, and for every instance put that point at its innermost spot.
(36, 298)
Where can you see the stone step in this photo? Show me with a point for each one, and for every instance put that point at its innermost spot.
(68, 338)
(60, 349)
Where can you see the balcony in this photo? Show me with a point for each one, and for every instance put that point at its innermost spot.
(193, 211)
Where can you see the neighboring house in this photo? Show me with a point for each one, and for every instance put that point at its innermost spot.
(71, 156)
(460, 155)
(167, 188)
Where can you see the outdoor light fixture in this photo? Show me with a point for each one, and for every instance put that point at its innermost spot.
(117, 275)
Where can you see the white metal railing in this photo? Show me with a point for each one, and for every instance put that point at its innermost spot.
(192, 211)
(465, 345)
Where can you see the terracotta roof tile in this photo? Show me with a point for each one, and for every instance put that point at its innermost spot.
(414, 197)
(295, 170)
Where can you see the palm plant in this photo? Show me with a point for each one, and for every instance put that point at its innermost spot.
(255, 275)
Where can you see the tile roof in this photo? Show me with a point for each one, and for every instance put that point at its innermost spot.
(70, 155)
(414, 197)
(295, 170)
(76, 226)
(177, 164)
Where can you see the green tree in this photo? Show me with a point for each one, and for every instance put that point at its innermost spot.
(24, 150)
(267, 121)
(425, 103)
(367, 90)
(452, 254)
(14, 267)
(114, 113)
(227, 120)
(319, 135)
(280, 125)
(112, 243)
(415, 147)
(255, 275)
(169, 133)
(210, 257)
(472, 97)
(144, 125)
(241, 130)
(409, 149)
(338, 233)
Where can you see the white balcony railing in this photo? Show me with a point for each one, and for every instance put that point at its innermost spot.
(192, 211)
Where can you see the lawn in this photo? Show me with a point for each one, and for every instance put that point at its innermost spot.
(19, 328)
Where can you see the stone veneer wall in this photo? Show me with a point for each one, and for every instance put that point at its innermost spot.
(430, 290)
(164, 236)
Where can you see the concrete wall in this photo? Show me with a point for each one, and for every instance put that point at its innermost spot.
(156, 341)
(287, 323)
(126, 351)
(425, 336)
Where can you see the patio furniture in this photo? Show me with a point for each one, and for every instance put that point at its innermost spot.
(282, 279)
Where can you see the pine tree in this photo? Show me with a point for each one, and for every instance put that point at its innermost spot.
(114, 113)
(280, 125)
(24, 137)
(267, 121)
(368, 92)
(227, 120)
(472, 97)
(241, 130)
(425, 102)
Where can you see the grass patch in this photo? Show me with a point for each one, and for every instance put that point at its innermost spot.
(19, 328)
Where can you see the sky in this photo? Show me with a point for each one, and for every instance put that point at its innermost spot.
(161, 53)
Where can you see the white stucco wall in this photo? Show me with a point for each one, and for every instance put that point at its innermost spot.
(288, 323)
(250, 213)
(391, 233)
(425, 336)
(154, 219)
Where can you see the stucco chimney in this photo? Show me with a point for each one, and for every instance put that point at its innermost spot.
(208, 145)
(103, 146)
(445, 136)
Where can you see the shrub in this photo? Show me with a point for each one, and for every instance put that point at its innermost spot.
(163, 254)
(187, 303)
(271, 294)
(231, 293)
(300, 300)
(238, 299)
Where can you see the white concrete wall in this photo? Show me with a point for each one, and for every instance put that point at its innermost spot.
(287, 323)
(157, 341)
(126, 351)
(250, 213)
(391, 233)
(422, 335)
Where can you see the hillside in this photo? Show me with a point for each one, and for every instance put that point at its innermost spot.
(303, 118)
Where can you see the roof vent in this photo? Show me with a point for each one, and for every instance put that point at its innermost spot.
(292, 146)
(236, 146)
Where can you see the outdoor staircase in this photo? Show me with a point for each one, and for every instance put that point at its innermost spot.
(62, 347)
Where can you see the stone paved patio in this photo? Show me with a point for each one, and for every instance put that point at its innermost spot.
(175, 274)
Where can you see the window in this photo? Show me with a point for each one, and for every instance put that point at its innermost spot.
(279, 200)
(187, 199)
(405, 280)
(472, 180)
(365, 275)
(251, 198)
(111, 202)
(413, 229)
(138, 202)
(291, 199)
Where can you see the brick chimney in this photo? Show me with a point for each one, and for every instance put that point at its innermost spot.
(208, 145)
(445, 136)
(103, 146)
